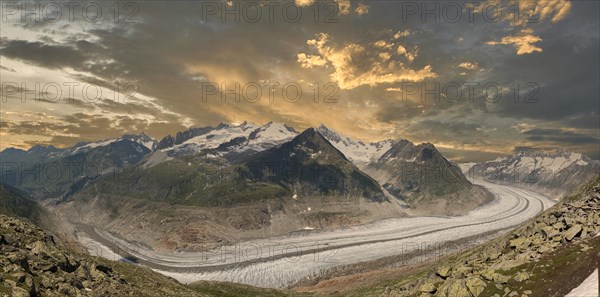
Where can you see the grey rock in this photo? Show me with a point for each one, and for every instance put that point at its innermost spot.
(521, 276)
(444, 271)
(572, 232)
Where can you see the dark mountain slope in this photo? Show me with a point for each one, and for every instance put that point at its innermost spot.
(48, 172)
(309, 159)
(421, 176)
(15, 203)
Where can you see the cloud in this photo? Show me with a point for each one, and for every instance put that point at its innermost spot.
(523, 42)
(361, 9)
(46, 55)
(310, 61)
(468, 65)
(344, 7)
(555, 10)
(169, 51)
(73, 128)
(401, 34)
(409, 55)
(305, 3)
(529, 17)
(357, 65)
(523, 13)
(560, 136)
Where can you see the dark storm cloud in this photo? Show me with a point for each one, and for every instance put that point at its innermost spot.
(45, 55)
(557, 135)
(448, 131)
(566, 71)
(459, 155)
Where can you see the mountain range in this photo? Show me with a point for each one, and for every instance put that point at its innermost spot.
(50, 172)
(244, 180)
(247, 180)
(552, 173)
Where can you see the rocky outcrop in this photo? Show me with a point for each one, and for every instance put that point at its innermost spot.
(35, 263)
(499, 267)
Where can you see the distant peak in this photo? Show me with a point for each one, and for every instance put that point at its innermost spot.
(309, 131)
(328, 133)
(222, 125)
(291, 129)
(322, 127)
(311, 134)
(13, 149)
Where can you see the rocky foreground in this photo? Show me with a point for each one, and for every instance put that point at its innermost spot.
(548, 256)
(35, 263)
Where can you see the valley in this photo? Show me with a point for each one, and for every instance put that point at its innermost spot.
(272, 208)
(279, 262)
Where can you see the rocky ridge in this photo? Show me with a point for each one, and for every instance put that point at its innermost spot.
(536, 259)
(34, 262)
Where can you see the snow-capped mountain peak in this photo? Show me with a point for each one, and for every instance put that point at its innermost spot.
(142, 139)
(543, 161)
(273, 131)
(554, 173)
(355, 150)
(238, 139)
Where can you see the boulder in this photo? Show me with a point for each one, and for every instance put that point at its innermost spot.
(444, 271)
(463, 271)
(475, 285)
(492, 252)
(572, 232)
(545, 249)
(537, 240)
(458, 288)
(559, 226)
(428, 287)
(19, 292)
(39, 248)
(550, 232)
(488, 274)
(569, 222)
(520, 243)
(500, 278)
(521, 276)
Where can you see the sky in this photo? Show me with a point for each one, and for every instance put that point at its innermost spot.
(476, 79)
